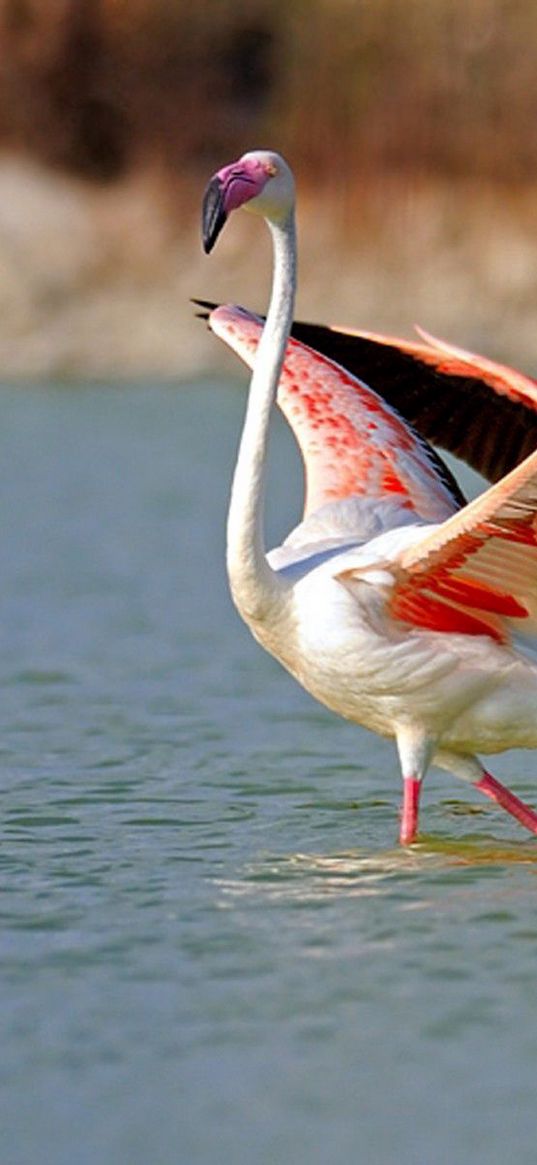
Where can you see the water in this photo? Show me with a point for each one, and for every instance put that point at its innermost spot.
(212, 950)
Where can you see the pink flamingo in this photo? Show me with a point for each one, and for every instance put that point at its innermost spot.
(389, 603)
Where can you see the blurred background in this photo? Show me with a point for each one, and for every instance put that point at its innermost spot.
(411, 124)
(210, 950)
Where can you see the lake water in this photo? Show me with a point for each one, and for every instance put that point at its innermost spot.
(212, 950)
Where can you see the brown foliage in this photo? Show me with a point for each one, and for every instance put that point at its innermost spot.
(343, 86)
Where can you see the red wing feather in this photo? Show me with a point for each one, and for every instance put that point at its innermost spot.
(353, 443)
(483, 559)
(470, 593)
(414, 606)
(483, 412)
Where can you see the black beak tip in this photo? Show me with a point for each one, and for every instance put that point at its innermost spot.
(206, 306)
(213, 214)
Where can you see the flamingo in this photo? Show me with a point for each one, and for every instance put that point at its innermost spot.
(392, 602)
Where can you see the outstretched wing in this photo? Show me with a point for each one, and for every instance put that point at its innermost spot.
(485, 413)
(352, 441)
(478, 570)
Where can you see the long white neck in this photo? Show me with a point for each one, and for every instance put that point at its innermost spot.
(254, 586)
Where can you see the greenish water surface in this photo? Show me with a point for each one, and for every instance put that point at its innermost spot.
(212, 951)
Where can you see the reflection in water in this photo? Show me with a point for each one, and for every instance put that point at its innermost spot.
(481, 851)
(311, 878)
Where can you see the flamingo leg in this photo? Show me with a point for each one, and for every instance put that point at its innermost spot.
(410, 812)
(503, 796)
(415, 750)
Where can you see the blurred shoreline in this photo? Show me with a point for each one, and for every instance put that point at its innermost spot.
(410, 126)
(95, 281)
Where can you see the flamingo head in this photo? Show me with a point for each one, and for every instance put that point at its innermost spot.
(260, 181)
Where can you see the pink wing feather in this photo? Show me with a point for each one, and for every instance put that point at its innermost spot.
(479, 568)
(482, 411)
(352, 442)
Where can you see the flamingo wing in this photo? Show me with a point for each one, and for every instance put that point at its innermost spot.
(484, 412)
(477, 572)
(352, 441)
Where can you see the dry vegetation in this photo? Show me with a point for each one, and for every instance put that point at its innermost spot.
(447, 86)
(412, 125)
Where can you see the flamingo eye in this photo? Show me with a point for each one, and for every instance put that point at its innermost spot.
(271, 169)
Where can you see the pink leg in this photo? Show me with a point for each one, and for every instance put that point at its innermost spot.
(409, 816)
(498, 792)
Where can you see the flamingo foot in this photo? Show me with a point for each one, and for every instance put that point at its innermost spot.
(517, 808)
(409, 816)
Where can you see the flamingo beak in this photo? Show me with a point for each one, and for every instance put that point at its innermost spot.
(213, 216)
